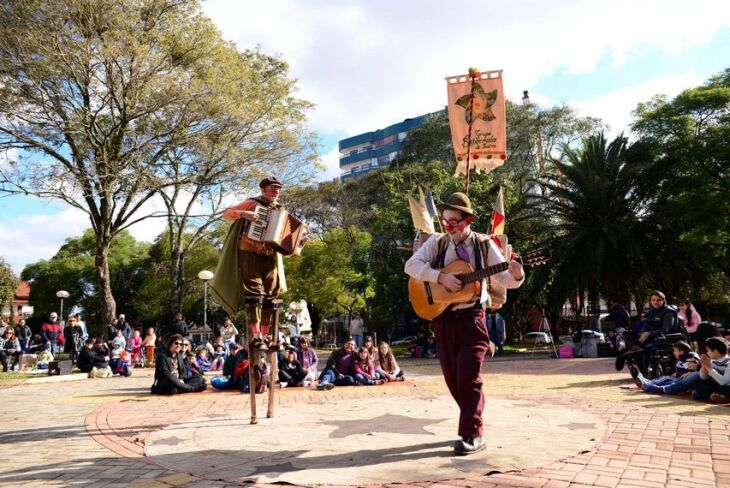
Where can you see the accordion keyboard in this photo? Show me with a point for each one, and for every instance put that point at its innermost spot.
(258, 228)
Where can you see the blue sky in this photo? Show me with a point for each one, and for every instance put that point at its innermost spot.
(367, 65)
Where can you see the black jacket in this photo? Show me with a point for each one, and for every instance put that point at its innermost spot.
(169, 372)
(179, 327)
(88, 358)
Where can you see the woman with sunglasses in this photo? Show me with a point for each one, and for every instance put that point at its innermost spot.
(170, 371)
(461, 332)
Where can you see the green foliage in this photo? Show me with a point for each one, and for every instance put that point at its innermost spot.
(8, 283)
(332, 273)
(72, 269)
(151, 297)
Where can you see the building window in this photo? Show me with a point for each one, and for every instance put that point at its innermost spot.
(384, 141)
(383, 160)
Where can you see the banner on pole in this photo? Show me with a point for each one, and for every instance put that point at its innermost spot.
(483, 105)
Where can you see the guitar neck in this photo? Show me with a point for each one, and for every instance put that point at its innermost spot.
(480, 274)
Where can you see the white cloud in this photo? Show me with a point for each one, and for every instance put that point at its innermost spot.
(27, 238)
(370, 64)
(331, 162)
(615, 107)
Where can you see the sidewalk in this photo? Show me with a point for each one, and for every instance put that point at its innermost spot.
(550, 423)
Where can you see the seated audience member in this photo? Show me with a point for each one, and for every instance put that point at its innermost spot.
(101, 347)
(686, 373)
(704, 331)
(714, 383)
(261, 374)
(36, 344)
(191, 363)
(340, 367)
(219, 357)
(690, 317)
(135, 347)
(120, 340)
(364, 369)
(9, 349)
(308, 359)
(89, 358)
(169, 370)
(44, 357)
(290, 370)
(148, 345)
(235, 370)
(203, 361)
(386, 365)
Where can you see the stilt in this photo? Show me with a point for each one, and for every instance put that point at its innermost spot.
(252, 379)
(275, 306)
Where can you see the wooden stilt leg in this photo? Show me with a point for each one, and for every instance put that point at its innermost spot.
(252, 379)
(274, 357)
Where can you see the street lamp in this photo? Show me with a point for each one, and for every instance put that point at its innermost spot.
(62, 294)
(525, 98)
(205, 275)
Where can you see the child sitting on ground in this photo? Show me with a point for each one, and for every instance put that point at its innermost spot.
(203, 361)
(364, 369)
(714, 382)
(261, 374)
(219, 357)
(686, 373)
(44, 357)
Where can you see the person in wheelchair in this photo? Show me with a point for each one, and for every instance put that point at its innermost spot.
(652, 351)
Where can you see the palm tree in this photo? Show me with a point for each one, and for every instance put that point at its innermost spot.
(596, 219)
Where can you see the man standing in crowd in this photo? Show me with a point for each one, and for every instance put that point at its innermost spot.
(461, 333)
(50, 330)
(357, 327)
(179, 326)
(497, 330)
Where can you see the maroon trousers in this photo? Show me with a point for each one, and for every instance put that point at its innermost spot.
(462, 341)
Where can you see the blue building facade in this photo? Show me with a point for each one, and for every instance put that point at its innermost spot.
(367, 152)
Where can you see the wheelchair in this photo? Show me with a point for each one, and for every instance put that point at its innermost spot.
(654, 359)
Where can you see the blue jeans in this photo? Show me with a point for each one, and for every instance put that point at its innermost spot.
(677, 385)
(329, 376)
(358, 341)
(363, 381)
(702, 389)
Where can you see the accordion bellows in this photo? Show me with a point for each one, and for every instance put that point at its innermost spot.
(278, 228)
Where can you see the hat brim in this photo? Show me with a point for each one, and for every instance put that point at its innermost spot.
(444, 206)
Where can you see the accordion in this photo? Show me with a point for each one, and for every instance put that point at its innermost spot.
(279, 229)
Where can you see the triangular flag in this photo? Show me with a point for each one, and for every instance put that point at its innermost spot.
(497, 220)
(421, 220)
(421, 197)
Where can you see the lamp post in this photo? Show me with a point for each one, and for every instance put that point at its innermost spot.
(205, 275)
(62, 294)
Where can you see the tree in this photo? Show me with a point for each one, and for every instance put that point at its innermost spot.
(110, 95)
(595, 219)
(329, 274)
(687, 140)
(8, 284)
(72, 269)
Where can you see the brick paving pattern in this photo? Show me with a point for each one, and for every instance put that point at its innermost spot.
(93, 432)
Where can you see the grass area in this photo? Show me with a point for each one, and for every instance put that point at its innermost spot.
(12, 376)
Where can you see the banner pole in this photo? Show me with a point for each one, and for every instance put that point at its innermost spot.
(473, 74)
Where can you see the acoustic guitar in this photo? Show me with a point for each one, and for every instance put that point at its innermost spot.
(429, 300)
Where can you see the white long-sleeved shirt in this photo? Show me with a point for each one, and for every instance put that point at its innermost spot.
(720, 371)
(419, 265)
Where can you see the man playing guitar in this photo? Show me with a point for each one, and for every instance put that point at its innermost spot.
(461, 334)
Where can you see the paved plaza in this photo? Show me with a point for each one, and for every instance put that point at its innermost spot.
(549, 423)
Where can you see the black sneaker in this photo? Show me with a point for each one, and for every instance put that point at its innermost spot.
(469, 445)
(325, 386)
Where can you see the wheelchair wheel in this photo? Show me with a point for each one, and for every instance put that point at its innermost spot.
(655, 369)
(633, 370)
